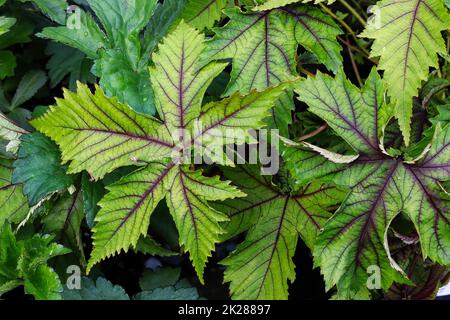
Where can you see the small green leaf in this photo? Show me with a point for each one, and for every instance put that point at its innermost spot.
(25, 262)
(11, 133)
(100, 289)
(7, 64)
(39, 168)
(149, 246)
(54, 9)
(92, 194)
(88, 38)
(13, 203)
(31, 82)
(66, 61)
(6, 24)
(64, 220)
(169, 293)
(164, 18)
(160, 278)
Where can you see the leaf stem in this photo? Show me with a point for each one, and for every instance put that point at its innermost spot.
(353, 12)
(314, 133)
(355, 48)
(355, 66)
(344, 24)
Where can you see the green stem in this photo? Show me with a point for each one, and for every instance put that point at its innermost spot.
(353, 12)
(344, 24)
(355, 66)
(358, 5)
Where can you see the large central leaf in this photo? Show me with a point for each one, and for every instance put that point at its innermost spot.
(408, 39)
(99, 134)
(354, 239)
(262, 265)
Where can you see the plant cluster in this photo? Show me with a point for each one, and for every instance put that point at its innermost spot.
(354, 94)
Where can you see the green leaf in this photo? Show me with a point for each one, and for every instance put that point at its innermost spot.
(43, 283)
(99, 134)
(124, 80)
(178, 83)
(160, 278)
(9, 256)
(13, 203)
(92, 193)
(149, 246)
(25, 262)
(7, 64)
(30, 83)
(262, 267)
(263, 48)
(6, 24)
(204, 13)
(335, 101)
(11, 133)
(120, 62)
(39, 168)
(261, 45)
(165, 16)
(20, 32)
(408, 40)
(64, 220)
(198, 224)
(126, 210)
(54, 9)
(169, 293)
(100, 289)
(88, 38)
(66, 61)
(381, 187)
(123, 21)
(122, 18)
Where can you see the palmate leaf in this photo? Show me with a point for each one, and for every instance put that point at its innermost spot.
(262, 266)
(263, 48)
(381, 187)
(99, 134)
(408, 40)
(13, 203)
